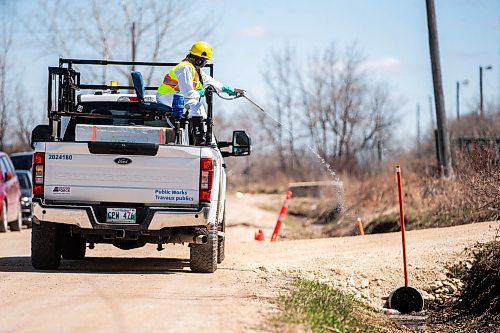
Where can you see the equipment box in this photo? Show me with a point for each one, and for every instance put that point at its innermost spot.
(136, 134)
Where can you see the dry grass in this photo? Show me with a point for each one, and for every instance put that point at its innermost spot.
(478, 307)
(472, 195)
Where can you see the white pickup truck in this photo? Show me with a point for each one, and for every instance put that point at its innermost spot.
(112, 168)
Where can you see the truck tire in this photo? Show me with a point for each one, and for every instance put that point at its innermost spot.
(73, 248)
(3, 220)
(221, 240)
(17, 224)
(203, 257)
(45, 246)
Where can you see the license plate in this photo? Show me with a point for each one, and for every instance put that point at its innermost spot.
(121, 215)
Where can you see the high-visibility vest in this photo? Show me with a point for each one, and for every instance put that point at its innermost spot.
(170, 83)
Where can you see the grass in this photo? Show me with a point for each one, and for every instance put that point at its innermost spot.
(322, 308)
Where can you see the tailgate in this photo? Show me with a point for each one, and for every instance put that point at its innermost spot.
(169, 175)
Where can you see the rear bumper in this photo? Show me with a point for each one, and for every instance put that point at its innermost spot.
(156, 218)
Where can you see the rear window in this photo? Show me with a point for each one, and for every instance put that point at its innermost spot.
(22, 162)
(24, 181)
(110, 108)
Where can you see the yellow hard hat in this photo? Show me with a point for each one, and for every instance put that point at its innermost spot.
(202, 49)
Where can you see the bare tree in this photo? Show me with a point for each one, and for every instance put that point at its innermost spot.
(281, 78)
(25, 119)
(342, 110)
(6, 44)
(118, 29)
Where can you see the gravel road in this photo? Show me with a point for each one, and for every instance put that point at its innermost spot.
(149, 291)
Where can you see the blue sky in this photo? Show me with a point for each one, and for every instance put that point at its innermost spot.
(391, 33)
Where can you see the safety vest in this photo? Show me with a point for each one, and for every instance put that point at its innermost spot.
(170, 83)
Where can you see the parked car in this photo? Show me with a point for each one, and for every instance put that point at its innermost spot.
(22, 161)
(10, 196)
(26, 184)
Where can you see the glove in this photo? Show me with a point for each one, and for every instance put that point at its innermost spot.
(201, 91)
(228, 90)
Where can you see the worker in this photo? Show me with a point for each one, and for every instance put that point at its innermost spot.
(190, 80)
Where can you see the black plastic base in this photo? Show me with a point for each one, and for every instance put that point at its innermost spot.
(406, 300)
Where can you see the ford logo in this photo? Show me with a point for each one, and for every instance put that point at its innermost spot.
(122, 160)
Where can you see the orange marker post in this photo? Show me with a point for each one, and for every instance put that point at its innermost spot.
(402, 220)
(280, 217)
(360, 227)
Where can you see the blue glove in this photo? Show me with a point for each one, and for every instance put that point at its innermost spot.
(201, 91)
(228, 90)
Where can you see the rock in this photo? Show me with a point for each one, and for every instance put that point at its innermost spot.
(442, 276)
(262, 268)
(351, 283)
(363, 275)
(436, 285)
(450, 286)
(364, 283)
(390, 311)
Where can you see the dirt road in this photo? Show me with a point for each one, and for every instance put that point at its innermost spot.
(149, 291)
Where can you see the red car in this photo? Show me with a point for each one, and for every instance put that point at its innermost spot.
(10, 196)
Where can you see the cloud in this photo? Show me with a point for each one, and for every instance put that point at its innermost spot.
(386, 63)
(254, 31)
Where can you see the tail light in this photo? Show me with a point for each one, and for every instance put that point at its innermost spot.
(206, 179)
(38, 173)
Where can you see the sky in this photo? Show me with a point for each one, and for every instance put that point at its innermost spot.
(392, 34)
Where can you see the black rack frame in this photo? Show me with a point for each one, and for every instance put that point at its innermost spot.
(67, 81)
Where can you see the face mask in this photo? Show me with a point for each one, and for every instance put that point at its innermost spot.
(200, 62)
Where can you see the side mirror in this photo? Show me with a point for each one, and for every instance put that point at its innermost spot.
(242, 145)
(40, 134)
(8, 175)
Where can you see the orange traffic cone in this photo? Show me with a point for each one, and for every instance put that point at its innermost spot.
(259, 235)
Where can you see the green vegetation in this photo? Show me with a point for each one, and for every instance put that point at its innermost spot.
(325, 309)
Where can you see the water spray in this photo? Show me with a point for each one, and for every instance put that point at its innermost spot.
(340, 198)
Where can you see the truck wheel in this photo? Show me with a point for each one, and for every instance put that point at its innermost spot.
(3, 221)
(203, 257)
(17, 224)
(221, 240)
(45, 246)
(73, 248)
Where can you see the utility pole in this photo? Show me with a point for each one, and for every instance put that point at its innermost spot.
(433, 125)
(134, 46)
(379, 151)
(481, 110)
(419, 151)
(481, 91)
(459, 83)
(443, 140)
